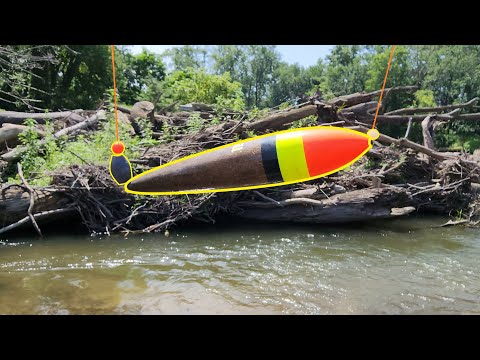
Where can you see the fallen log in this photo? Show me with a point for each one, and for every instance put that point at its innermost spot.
(14, 117)
(359, 205)
(9, 134)
(196, 107)
(399, 119)
(15, 154)
(49, 214)
(82, 125)
(282, 118)
(15, 201)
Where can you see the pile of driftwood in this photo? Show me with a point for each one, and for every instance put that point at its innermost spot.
(395, 178)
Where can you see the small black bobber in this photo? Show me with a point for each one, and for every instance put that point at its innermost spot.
(119, 166)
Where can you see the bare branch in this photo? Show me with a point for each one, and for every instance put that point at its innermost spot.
(32, 199)
(410, 111)
(358, 98)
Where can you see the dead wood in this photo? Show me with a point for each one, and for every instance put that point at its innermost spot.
(358, 98)
(32, 199)
(279, 119)
(38, 216)
(9, 134)
(391, 181)
(15, 154)
(434, 109)
(408, 144)
(356, 205)
(82, 125)
(14, 117)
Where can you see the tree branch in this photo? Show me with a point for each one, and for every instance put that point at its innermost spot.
(32, 199)
(358, 98)
(411, 111)
(14, 117)
(406, 143)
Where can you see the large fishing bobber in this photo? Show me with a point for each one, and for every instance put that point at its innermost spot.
(281, 158)
(276, 159)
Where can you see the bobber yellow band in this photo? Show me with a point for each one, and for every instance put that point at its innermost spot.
(291, 156)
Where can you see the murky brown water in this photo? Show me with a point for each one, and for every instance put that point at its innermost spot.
(396, 267)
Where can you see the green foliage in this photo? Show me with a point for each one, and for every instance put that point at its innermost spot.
(186, 57)
(139, 76)
(400, 74)
(77, 79)
(257, 113)
(459, 215)
(251, 133)
(306, 122)
(154, 89)
(19, 65)
(215, 120)
(76, 76)
(253, 66)
(472, 143)
(29, 138)
(195, 123)
(424, 98)
(198, 86)
(39, 159)
(284, 105)
(369, 164)
(289, 82)
(347, 70)
(452, 72)
(168, 133)
(246, 76)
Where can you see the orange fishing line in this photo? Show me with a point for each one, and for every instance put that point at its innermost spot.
(383, 86)
(115, 92)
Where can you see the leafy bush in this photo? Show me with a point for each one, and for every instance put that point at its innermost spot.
(191, 85)
(424, 98)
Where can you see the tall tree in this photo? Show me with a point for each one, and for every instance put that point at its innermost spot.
(453, 72)
(78, 77)
(136, 73)
(346, 71)
(20, 65)
(401, 73)
(187, 56)
(289, 82)
(252, 65)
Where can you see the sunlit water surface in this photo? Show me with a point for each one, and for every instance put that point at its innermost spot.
(406, 266)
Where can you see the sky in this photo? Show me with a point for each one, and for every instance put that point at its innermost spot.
(305, 55)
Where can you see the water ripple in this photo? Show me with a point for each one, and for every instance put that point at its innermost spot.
(396, 268)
